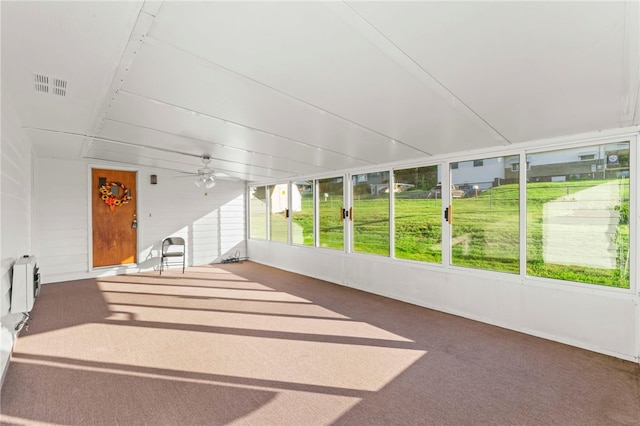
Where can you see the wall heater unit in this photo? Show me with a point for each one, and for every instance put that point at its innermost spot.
(26, 284)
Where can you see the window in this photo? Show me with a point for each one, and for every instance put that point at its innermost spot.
(258, 212)
(302, 219)
(417, 214)
(279, 212)
(485, 230)
(578, 216)
(516, 166)
(577, 213)
(330, 220)
(371, 213)
(478, 163)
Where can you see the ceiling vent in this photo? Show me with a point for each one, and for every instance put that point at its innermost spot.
(42, 85)
(59, 87)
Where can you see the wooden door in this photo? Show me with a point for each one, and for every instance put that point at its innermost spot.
(113, 212)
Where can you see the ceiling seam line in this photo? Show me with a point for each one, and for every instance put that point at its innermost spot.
(177, 171)
(351, 122)
(627, 79)
(440, 84)
(242, 125)
(99, 138)
(228, 172)
(225, 146)
(187, 164)
(214, 143)
(143, 26)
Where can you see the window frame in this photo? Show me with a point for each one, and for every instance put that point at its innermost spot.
(595, 143)
(287, 212)
(313, 213)
(250, 217)
(455, 198)
(318, 215)
(393, 204)
(533, 147)
(355, 211)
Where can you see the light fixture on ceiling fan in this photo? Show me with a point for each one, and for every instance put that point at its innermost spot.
(205, 174)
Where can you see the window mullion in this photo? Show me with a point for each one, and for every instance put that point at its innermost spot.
(523, 214)
(392, 221)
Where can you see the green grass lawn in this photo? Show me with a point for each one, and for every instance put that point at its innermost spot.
(485, 230)
(543, 192)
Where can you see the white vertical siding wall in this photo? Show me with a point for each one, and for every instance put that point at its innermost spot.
(15, 206)
(61, 217)
(205, 237)
(232, 226)
(173, 207)
(176, 207)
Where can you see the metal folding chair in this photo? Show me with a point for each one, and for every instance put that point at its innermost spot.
(172, 247)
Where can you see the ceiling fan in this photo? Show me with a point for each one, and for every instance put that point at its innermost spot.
(205, 175)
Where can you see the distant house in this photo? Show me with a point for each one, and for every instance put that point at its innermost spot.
(572, 164)
(484, 173)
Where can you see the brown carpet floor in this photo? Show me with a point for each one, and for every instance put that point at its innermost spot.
(248, 344)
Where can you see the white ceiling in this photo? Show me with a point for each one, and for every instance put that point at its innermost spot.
(274, 90)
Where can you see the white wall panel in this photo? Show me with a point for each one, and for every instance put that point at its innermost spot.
(61, 217)
(173, 207)
(233, 227)
(593, 318)
(15, 222)
(204, 238)
(602, 319)
(193, 215)
(324, 264)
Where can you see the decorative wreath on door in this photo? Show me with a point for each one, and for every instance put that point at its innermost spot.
(112, 200)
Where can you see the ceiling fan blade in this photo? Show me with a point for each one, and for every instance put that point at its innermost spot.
(206, 175)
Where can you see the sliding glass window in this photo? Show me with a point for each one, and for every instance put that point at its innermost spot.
(485, 218)
(370, 213)
(279, 212)
(417, 214)
(258, 212)
(302, 218)
(578, 214)
(330, 219)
